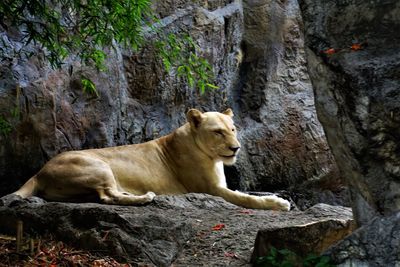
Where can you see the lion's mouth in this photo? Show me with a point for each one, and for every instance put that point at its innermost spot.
(228, 157)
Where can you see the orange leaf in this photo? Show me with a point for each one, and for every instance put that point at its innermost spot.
(330, 51)
(355, 47)
(218, 227)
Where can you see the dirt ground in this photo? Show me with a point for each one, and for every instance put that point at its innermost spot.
(48, 252)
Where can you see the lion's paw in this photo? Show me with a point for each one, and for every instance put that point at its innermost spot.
(276, 203)
(282, 204)
(150, 196)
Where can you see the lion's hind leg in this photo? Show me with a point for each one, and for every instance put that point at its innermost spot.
(100, 177)
(116, 197)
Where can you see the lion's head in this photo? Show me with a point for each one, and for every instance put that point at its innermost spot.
(215, 134)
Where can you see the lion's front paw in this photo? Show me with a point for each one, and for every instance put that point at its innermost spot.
(150, 196)
(282, 204)
(276, 203)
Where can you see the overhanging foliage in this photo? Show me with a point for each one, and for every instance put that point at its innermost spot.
(85, 27)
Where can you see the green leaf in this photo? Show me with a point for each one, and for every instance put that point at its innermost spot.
(5, 126)
(273, 252)
(181, 53)
(15, 112)
(89, 87)
(286, 252)
(181, 70)
(212, 86)
(202, 87)
(190, 80)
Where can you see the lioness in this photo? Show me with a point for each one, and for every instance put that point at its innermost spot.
(190, 159)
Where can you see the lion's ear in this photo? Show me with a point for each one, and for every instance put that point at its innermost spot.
(195, 117)
(228, 112)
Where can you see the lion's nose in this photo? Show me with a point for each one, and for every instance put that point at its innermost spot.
(234, 148)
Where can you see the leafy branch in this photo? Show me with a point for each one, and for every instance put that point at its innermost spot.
(86, 27)
(89, 87)
(77, 26)
(182, 53)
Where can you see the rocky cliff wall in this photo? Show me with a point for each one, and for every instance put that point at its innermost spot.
(256, 49)
(354, 62)
(283, 138)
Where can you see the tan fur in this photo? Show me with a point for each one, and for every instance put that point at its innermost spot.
(188, 160)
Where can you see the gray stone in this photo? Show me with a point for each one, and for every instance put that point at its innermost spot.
(358, 103)
(128, 233)
(171, 229)
(312, 237)
(283, 140)
(358, 95)
(375, 244)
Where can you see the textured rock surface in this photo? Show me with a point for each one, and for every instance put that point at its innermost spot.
(175, 229)
(283, 139)
(358, 95)
(257, 53)
(358, 103)
(375, 244)
(137, 100)
(314, 236)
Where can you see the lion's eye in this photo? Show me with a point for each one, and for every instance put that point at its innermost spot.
(219, 132)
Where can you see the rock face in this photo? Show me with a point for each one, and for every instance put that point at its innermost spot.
(256, 49)
(375, 244)
(283, 138)
(354, 61)
(187, 230)
(358, 95)
(309, 237)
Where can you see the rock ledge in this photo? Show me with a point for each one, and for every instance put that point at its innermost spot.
(172, 229)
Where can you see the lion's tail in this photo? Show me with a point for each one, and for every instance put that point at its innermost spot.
(28, 189)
